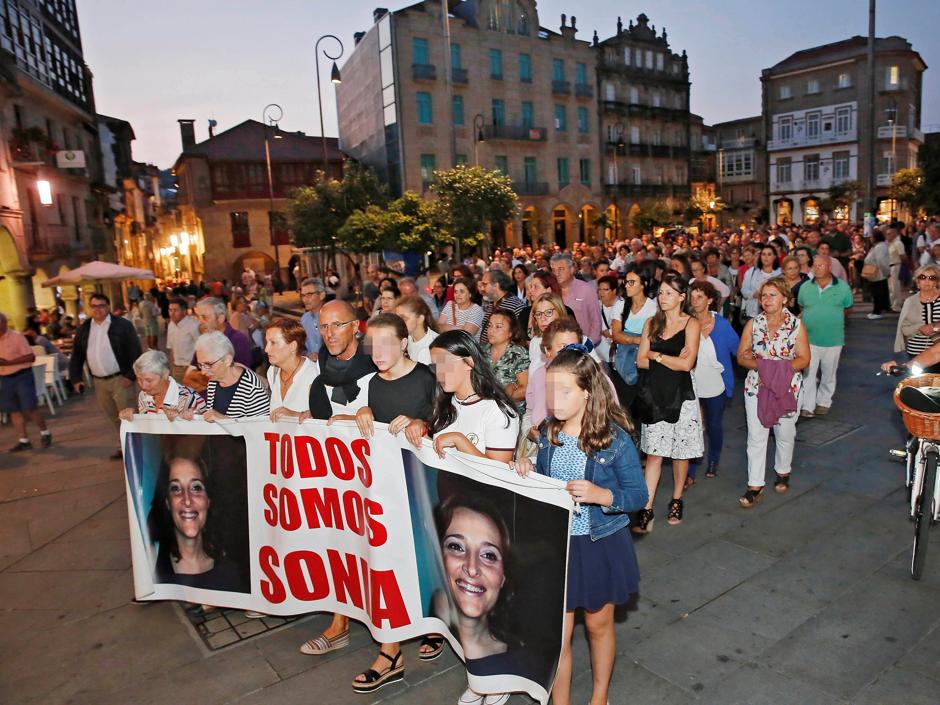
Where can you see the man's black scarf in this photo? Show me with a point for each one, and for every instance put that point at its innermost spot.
(342, 380)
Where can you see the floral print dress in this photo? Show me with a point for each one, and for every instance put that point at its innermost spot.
(507, 367)
(779, 346)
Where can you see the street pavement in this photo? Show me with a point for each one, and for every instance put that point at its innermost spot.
(805, 600)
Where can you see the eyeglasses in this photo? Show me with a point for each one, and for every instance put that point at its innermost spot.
(631, 282)
(208, 365)
(333, 327)
(305, 294)
(99, 305)
(545, 314)
(927, 277)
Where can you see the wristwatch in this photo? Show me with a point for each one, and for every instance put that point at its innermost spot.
(659, 358)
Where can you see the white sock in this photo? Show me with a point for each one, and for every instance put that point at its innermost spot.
(47, 432)
(24, 440)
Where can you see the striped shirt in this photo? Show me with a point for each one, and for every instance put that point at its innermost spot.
(249, 399)
(930, 314)
(178, 397)
(510, 303)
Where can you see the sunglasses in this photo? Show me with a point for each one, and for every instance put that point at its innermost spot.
(927, 277)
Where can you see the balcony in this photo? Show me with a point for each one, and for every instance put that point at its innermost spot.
(643, 149)
(530, 188)
(515, 132)
(584, 90)
(458, 75)
(900, 132)
(423, 72)
(801, 140)
(649, 190)
(561, 87)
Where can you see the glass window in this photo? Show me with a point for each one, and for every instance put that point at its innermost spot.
(610, 92)
(634, 95)
(241, 230)
(525, 68)
(496, 64)
(783, 171)
(502, 164)
(425, 114)
(584, 168)
(528, 114)
(455, 58)
(419, 50)
(845, 80)
(498, 109)
(843, 120)
(583, 121)
(785, 92)
(530, 170)
(561, 118)
(458, 110)
(659, 62)
(563, 177)
(634, 135)
(812, 124)
(626, 56)
(558, 69)
(428, 165)
(649, 58)
(461, 158)
(786, 129)
(840, 165)
(812, 86)
(892, 76)
(580, 73)
(811, 167)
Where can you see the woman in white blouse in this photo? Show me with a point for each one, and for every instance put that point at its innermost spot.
(419, 320)
(291, 372)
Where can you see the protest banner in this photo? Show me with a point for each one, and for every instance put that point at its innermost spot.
(286, 518)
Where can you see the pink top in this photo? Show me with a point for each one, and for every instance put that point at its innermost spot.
(582, 299)
(12, 346)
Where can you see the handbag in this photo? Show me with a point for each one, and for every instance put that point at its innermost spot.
(871, 271)
(625, 362)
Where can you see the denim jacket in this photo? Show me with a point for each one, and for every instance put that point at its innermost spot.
(616, 468)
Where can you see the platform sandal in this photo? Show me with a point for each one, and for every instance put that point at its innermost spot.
(751, 497)
(644, 522)
(375, 680)
(435, 644)
(674, 515)
(782, 483)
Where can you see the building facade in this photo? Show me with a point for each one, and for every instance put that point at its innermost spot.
(51, 216)
(645, 120)
(518, 98)
(741, 170)
(815, 113)
(223, 222)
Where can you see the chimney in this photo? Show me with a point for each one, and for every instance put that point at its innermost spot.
(212, 126)
(357, 37)
(188, 133)
(378, 13)
(568, 31)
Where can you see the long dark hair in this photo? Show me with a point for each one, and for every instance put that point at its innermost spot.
(517, 335)
(678, 283)
(160, 520)
(482, 378)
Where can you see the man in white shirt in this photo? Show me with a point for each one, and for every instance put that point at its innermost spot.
(897, 255)
(611, 310)
(181, 335)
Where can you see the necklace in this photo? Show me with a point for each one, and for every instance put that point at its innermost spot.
(285, 383)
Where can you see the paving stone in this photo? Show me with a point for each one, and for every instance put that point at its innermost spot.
(632, 684)
(103, 554)
(923, 656)
(754, 684)
(897, 687)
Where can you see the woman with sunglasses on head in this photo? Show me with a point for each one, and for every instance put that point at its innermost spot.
(919, 322)
(666, 401)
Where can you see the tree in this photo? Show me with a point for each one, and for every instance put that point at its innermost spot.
(840, 196)
(471, 200)
(906, 187)
(408, 224)
(929, 158)
(650, 214)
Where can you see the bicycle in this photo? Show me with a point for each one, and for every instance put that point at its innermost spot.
(922, 454)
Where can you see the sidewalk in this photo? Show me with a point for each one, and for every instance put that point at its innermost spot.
(805, 600)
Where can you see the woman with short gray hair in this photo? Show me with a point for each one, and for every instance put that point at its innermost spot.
(234, 391)
(159, 392)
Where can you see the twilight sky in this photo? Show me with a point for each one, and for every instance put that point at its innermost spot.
(227, 59)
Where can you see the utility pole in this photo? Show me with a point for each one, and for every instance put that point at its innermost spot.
(872, 136)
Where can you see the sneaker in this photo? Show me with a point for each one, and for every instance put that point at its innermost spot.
(470, 697)
(496, 699)
(806, 414)
(21, 445)
(251, 614)
(874, 316)
(46, 439)
(821, 410)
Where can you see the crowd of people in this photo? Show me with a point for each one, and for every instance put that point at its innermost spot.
(600, 366)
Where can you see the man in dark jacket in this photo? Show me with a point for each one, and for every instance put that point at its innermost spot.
(110, 346)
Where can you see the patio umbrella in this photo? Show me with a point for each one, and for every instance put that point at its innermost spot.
(98, 271)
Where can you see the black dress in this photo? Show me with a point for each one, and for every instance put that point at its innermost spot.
(662, 391)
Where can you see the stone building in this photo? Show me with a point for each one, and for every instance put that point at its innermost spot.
(742, 170)
(518, 97)
(645, 120)
(815, 111)
(223, 198)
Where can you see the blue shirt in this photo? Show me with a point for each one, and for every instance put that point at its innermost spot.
(568, 463)
(311, 324)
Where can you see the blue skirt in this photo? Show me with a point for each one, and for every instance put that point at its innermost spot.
(601, 572)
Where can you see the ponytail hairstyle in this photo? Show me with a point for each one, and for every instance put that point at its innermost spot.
(680, 284)
(602, 412)
(482, 378)
(417, 306)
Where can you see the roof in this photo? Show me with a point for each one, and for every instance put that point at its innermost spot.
(837, 51)
(117, 124)
(245, 143)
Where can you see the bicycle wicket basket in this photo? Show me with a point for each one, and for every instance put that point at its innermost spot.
(918, 423)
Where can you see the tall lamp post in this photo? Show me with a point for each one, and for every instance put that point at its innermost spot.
(478, 136)
(891, 112)
(270, 116)
(618, 145)
(334, 77)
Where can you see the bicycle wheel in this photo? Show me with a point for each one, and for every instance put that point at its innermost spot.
(923, 515)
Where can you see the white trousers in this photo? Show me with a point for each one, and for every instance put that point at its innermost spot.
(757, 439)
(825, 362)
(894, 287)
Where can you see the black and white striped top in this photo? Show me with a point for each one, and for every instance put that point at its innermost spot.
(930, 314)
(249, 399)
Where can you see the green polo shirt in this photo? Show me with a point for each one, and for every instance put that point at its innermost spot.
(824, 311)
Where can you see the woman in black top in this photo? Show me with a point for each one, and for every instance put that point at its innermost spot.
(401, 392)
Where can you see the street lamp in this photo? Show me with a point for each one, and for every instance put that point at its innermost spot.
(334, 77)
(618, 145)
(271, 114)
(478, 122)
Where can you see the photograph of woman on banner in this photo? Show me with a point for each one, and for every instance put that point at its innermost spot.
(400, 394)
(586, 443)
(184, 524)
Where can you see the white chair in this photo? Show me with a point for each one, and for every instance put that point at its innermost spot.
(42, 392)
(53, 377)
(38, 350)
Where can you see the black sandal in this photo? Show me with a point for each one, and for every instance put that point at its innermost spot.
(674, 515)
(712, 470)
(375, 680)
(433, 641)
(644, 522)
(751, 497)
(782, 483)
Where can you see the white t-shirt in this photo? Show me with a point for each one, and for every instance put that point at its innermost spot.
(707, 374)
(635, 321)
(420, 350)
(298, 394)
(181, 340)
(484, 423)
(474, 314)
(610, 314)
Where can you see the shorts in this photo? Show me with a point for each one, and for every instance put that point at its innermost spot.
(682, 440)
(18, 392)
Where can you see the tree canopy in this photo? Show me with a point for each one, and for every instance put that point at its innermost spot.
(471, 200)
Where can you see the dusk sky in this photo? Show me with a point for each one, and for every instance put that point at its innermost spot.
(227, 59)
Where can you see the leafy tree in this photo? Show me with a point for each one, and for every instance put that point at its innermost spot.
(840, 195)
(906, 186)
(651, 214)
(408, 224)
(471, 200)
(929, 158)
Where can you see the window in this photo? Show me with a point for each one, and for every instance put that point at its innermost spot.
(657, 101)
(659, 62)
(502, 164)
(634, 135)
(892, 77)
(525, 68)
(561, 118)
(428, 165)
(680, 174)
(784, 92)
(637, 175)
(458, 110)
(558, 69)
(634, 95)
(811, 167)
(626, 56)
(584, 169)
(887, 163)
(530, 170)
(583, 124)
(563, 176)
(845, 80)
(649, 58)
(812, 124)
(496, 64)
(610, 92)
(425, 114)
(783, 171)
(461, 158)
(812, 86)
(843, 120)
(785, 129)
(638, 57)
(840, 165)
(580, 73)
(419, 51)
(528, 114)
(241, 233)
(498, 108)
(455, 58)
